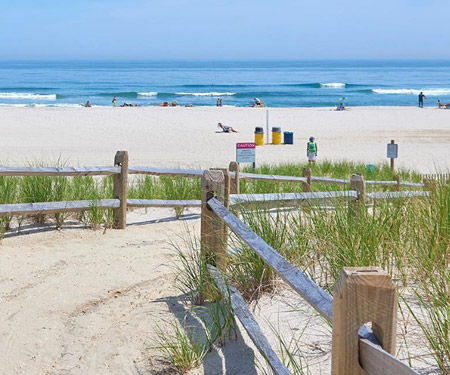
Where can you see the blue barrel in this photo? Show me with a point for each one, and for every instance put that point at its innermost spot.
(288, 138)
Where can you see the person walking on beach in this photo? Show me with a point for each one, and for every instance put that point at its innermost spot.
(421, 98)
(114, 101)
(311, 150)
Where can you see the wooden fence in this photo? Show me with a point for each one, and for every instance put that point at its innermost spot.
(362, 294)
(120, 202)
(352, 306)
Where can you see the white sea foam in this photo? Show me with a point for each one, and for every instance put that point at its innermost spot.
(429, 92)
(150, 93)
(205, 93)
(26, 95)
(66, 105)
(333, 85)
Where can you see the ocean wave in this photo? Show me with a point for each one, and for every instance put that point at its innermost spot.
(429, 92)
(149, 93)
(333, 85)
(26, 95)
(205, 93)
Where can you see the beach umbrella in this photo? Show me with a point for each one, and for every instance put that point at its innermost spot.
(343, 98)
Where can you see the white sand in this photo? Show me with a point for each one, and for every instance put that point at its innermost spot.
(83, 302)
(187, 136)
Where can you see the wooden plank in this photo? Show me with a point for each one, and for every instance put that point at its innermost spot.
(385, 183)
(326, 180)
(291, 199)
(391, 195)
(163, 203)
(269, 177)
(55, 207)
(59, 171)
(412, 184)
(173, 172)
(320, 300)
(249, 322)
(376, 361)
(120, 190)
(364, 294)
(311, 292)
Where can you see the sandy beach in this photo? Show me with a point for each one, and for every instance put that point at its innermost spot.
(78, 301)
(187, 137)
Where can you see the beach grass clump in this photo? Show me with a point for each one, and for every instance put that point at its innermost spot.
(433, 296)
(8, 195)
(181, 348)
(192, 275)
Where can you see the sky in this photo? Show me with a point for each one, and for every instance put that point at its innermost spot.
(223, 30)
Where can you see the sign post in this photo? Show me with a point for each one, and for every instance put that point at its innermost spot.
(245, 153)
(392, 153)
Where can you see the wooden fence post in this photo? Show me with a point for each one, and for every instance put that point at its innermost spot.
(361, 295)
(307, 185)
(397, 178)
(431, 184)
(120, 190)
(358, 184)
(234, 182)
(214, 232)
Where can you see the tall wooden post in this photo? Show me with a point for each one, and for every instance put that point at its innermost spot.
(397, 178)
(358, 184)
(234, 182)
(120, 190)
(214, 232)
(431, 184)
(361, 295)
(307, 185)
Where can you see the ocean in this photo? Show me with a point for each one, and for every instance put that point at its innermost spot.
(200, 83)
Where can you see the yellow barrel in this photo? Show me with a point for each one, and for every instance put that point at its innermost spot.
(259, 139)
(259, 136)
(276, 136)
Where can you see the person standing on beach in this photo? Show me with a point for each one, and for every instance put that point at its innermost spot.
(311, 150)
(421, 98)
(114, 101)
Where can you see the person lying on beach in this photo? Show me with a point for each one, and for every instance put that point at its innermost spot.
(442, 105)
(129, 105)
(226, 129)
(341, 107)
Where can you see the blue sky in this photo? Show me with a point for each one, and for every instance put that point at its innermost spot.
(228, 29)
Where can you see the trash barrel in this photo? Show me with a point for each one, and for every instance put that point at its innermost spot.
(276, 136)
(259, 136)
(288, 138)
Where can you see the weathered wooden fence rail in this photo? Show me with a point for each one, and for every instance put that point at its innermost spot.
(362, 295)
(121, 170)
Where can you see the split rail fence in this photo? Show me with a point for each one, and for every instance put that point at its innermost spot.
(120, 202)
(362, 294)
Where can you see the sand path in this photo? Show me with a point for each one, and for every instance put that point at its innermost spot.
(80, 302)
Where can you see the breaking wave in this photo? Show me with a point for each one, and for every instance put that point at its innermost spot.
(26, 95)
